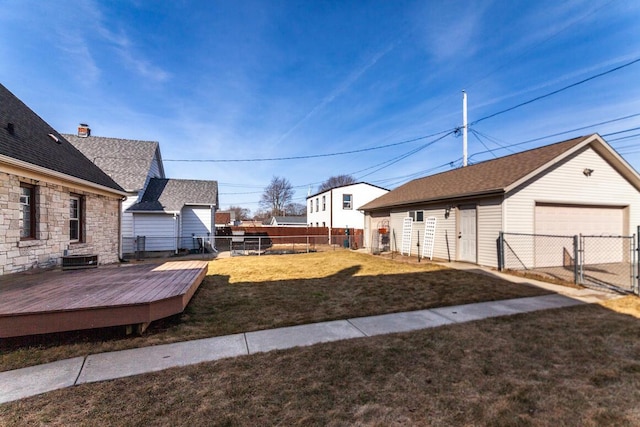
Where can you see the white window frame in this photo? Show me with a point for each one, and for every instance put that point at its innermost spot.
(416, 216)
(347, 204)
(77, 219)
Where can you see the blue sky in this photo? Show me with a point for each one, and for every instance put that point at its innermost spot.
(215, 80)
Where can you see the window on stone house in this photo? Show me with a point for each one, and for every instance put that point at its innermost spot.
(317, 205)
(324, 203)
(76, 228)
(311, 206)
(27, 211)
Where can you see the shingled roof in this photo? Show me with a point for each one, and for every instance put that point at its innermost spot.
(127, 161)
(170, 195)
(489, 177)
(25, 137)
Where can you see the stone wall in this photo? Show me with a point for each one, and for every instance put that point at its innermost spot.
(100, 221)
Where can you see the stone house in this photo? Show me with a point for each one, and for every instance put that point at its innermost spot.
(53, 200)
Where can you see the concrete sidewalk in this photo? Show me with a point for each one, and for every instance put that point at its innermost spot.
(21, 383)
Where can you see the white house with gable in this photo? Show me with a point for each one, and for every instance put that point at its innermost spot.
(339, 207)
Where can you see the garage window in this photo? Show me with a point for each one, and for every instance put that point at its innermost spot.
(417, 216)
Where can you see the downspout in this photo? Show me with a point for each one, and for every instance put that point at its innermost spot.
(212, 238)
(176, 232)
(120, 228)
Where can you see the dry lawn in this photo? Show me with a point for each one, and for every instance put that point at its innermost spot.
(576, 367)
(252, 293)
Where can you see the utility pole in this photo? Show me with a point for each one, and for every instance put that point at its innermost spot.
(464, 128)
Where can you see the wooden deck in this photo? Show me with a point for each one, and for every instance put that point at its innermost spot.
(57, 301)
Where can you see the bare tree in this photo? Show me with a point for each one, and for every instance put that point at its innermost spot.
(296, 209)
(336, 181)
(277, 195)
(240, 212)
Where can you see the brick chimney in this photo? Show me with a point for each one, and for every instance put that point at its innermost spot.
(84, 130)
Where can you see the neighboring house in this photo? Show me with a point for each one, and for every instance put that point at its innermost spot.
(577, 186)
(251, 223)
(339, 207)
(54, 200)
(288, 221)
(225, 218)
(176, 214)
(131, 163)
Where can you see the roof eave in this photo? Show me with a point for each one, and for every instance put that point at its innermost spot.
(466, 196)
(59, 175)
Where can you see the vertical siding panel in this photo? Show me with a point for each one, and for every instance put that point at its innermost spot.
(445, 239)
(489, 225)
(195, 221)
(127, 217)
(158, 230)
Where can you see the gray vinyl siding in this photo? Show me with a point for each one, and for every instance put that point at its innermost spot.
(567, 184)
(160, 231)
(195, 221)
(489, 225)
(373, 221)
(127, 217)
(154, 170)
(445, 240)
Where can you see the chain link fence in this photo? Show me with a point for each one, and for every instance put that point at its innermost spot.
(596, 261)
(239, 243)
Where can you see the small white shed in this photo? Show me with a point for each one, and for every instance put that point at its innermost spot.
(176, 214)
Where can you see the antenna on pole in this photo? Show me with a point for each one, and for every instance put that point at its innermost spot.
(464, 128)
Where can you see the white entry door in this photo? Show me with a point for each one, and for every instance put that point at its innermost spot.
(467, 235)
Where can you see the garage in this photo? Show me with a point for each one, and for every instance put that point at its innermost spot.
(570, 220)
(584, 220)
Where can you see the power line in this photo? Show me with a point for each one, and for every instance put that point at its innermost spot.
(476, 134)
(309, 156)
(617, 119)
(556, 91)
(410, 153)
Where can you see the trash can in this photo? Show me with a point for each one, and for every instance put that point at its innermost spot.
(346, 240)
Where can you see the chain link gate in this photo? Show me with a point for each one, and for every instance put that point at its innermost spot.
(610, 262)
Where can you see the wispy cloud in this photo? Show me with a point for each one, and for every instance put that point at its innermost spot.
(132, 57)
(83, 28)
(339, 90)
(86, 69)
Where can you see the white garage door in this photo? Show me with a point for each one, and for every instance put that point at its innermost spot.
(575, 220)
(586, 220)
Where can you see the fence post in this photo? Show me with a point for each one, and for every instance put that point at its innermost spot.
(501, 251)
(637, 263)
(576, 261)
